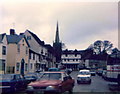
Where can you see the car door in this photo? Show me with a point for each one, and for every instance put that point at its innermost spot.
(65, 83)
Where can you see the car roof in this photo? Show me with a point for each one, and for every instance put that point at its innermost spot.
(53, 72)
(84, 70)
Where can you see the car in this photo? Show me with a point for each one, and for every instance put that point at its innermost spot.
(92, 72)
(12, 83)
(53, 69)
(52, 82)
(84, 76)
(31, 77)
(99, 72)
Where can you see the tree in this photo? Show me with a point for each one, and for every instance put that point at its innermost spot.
(99, 46)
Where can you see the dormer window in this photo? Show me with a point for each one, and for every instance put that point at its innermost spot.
(28, 37)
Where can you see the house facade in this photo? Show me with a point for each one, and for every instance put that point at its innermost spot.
(3, 53)
(17, 53)
(40, 56)
(95, 61)
(71, 59)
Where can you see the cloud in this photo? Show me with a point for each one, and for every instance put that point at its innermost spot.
(80, 23)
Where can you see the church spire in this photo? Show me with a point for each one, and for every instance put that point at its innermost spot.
(57, 40)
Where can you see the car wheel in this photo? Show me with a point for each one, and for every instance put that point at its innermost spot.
(30, 92)
(71, 91)
(90, 82)
(78, 82)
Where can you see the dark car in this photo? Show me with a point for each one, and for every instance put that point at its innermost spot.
(52, 82)
(12, 83)
(31, 77)
(99, 72)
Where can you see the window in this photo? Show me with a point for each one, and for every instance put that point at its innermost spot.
(66, 55)
(2, 65)
(31, 65)
(42, 51)
(17, 66)
(30, 55)
(33, 56)
(26, 67)
(4, 50)
(28, 37)
(75, 55)
(18, 48)
(39, 58)
(64, 59)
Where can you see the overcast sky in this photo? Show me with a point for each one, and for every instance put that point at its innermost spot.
(80, 23)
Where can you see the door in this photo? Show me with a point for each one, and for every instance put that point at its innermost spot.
(22, 67)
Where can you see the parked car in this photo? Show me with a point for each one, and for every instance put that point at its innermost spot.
(12, 83)
(84, 76)
(31, 77)
(93, 72)
(99, 72)
(52, 82)
(53, 69)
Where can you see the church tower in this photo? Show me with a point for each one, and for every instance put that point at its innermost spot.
(57, 45)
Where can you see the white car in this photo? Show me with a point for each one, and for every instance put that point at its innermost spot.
(84, 76)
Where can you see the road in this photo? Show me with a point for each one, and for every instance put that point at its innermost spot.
(97, 85)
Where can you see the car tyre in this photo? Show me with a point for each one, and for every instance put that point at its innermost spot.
(71, 91)
(90, 82)
(78, 82)
(30, 92)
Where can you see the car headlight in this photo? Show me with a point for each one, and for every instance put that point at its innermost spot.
(30, 87)
(50, 88)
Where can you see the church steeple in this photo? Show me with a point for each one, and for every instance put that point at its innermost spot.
(57, 45)
(57, 40)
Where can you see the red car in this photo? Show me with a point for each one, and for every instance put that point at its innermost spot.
(52, 82)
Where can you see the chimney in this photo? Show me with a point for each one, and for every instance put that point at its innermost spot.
(12, 32)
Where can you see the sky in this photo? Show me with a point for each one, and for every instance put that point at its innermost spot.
(81, 23)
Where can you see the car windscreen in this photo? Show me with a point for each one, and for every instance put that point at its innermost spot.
(6, 77)
(84, 73)
(51, 76)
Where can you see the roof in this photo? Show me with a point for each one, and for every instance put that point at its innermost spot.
(2, 36)
(72, 51)
(84, 70)
(36, 38)
(16, 38)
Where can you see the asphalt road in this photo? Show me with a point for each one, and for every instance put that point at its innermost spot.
(97, 85)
